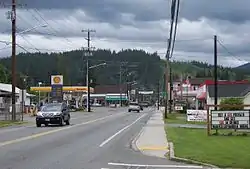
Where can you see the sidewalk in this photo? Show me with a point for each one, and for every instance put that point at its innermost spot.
(152, 139)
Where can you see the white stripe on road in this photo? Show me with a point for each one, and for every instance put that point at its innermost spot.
(5, 130)
(54, 131)
(156, 166)
(113, 136)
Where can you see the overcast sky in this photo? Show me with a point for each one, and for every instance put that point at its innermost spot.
(141, 24)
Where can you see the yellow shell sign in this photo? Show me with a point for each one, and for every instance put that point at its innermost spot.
(57, 80)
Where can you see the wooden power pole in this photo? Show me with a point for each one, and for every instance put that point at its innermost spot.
(13, 60)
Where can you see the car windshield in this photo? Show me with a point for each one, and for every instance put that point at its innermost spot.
(53, 107)
(133, 104)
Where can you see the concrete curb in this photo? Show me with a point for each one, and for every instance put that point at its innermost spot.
(179, 159)
(134, 141)
(135, 147)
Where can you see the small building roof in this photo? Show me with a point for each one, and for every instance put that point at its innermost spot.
(230, 90)
(8, 88)
(199, 81)
(107, 89)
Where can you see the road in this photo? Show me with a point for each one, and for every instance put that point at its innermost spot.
(95, 140)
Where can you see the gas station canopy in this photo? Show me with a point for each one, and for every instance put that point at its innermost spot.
(65, 89)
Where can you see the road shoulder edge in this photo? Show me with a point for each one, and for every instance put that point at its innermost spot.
(135, 139)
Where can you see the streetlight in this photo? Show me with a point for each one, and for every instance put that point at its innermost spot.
(87, 83)
(30, 29)
(22, 32)
(39, 92)
(94, 66)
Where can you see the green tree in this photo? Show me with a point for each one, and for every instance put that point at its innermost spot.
(234, 104)
(148, 68)
(4, 74)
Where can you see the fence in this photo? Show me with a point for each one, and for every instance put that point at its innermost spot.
(6, 114)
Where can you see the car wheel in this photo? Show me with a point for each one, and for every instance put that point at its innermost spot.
(38, 125)
(61, 122)
(68, 121)
(138, 111)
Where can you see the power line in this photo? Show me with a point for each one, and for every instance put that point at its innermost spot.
(173, 6)
(156, 42)
(52, 28)
(24, 20)
(175, 28)
(227, 50)
(25, 39)
(5, 48)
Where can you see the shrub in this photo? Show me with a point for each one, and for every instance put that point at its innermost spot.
(236, 104)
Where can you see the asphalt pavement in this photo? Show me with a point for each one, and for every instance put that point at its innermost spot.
(95, 140)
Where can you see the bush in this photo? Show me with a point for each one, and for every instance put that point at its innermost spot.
(236, 104)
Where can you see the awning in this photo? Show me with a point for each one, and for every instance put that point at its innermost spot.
(115, 98)
(202, 95)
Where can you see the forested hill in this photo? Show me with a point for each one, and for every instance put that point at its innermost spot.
(144, 68)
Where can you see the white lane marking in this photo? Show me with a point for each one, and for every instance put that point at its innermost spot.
(56, 130)
(113, 136)
(14, 129)
(5, 130)
(156, 166)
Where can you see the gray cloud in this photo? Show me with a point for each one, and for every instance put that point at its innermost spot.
(109, 10)
(140, 24)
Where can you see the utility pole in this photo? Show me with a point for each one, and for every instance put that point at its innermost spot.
(158, 95)
(23, 100)
(120, 83)
(215, 74)
(87, 68)
(13, 60)
(171, 89)
(181, 85)
(167, 77)
(166, 89)
(187, 82)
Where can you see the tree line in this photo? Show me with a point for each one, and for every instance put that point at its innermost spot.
(147, 69)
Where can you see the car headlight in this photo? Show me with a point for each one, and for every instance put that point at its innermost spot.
(39, 113)
(58, 113)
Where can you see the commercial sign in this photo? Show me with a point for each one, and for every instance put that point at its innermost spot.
(56, 80)
(178, 108)
(57, 88)
(236, 119)
(196, 115)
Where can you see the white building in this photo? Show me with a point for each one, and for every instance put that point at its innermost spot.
(225, 90)
(5, 95)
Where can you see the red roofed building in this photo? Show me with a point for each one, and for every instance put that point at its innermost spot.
(226, 89)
